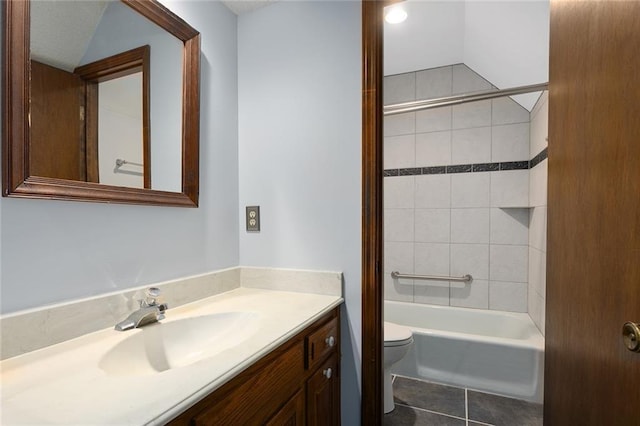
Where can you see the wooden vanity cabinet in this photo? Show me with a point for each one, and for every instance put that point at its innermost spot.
(292, 414)
(296, 384)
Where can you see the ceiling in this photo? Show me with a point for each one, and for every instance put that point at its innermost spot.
(506, 42)
(63, 49)
(244, 6)
(79, 19)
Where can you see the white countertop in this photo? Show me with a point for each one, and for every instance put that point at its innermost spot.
(63, 383)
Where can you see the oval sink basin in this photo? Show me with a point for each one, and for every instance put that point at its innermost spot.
(162, 346)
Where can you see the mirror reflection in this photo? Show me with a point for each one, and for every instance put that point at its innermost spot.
(120, 126)
(106, 96)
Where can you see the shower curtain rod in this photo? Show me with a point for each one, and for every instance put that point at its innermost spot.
(460, 99)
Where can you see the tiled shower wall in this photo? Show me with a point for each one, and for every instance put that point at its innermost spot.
(538, 214)
(456, 193)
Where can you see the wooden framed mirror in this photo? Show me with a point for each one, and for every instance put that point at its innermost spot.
(19, 178)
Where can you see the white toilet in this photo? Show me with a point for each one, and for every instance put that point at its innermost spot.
(397, 341)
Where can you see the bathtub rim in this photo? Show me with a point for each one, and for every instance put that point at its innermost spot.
(534, 340)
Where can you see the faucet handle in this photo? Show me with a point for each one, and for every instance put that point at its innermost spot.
(153, 293)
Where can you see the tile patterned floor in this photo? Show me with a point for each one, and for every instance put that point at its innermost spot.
(420, 403)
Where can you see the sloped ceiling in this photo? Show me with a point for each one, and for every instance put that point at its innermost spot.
(504, 41)
(62, 29)
(507, 42)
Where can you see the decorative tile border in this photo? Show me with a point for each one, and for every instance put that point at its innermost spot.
(486, 167)
(468, 168)
(538, 158)
(515, 165)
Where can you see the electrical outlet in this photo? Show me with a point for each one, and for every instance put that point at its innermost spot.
(253, 218)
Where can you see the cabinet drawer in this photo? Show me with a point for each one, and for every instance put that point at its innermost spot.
(321, 342)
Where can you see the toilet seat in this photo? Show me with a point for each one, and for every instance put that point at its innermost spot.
(396, 335)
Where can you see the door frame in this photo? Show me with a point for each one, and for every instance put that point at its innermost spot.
(372, 213)
(119, 65)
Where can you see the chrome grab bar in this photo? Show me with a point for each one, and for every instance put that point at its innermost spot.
(466, 278)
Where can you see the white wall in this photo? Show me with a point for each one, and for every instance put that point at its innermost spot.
(54, 251)
(538, 219)
(120, 131)
(300, 151)
(454, 204)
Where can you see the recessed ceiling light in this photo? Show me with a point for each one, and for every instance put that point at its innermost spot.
(395, 15)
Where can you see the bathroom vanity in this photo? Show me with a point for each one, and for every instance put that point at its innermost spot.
(245, 356)
(296, 384)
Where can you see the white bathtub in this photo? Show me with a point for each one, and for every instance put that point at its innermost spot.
(491, 351)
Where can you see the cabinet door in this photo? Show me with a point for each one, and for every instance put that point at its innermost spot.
(292, 414)
(260, 392)
(323, 394)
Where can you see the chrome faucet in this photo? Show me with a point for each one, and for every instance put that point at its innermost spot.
(150, 311)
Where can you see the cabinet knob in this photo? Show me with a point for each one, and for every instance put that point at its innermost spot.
(327, 373)
(330, 341)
